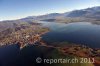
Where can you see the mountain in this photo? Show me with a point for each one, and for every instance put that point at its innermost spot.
(77, 13)
(88, 14)
(84, 12)
(47, 16)
(52, 15)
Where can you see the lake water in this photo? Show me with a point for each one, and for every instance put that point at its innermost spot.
(78, 32)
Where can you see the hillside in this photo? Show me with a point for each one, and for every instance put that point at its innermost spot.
(84, 15)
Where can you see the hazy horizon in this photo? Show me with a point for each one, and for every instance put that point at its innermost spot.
(16, 9)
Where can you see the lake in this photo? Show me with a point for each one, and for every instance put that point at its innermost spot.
(79, 32)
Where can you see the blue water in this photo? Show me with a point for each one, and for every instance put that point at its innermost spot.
(80, 32)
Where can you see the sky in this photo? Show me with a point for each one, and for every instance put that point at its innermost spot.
(16, 9)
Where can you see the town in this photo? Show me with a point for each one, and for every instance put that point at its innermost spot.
(23, 37)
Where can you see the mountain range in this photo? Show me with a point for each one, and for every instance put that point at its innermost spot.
(93, 13)
(83, 15)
